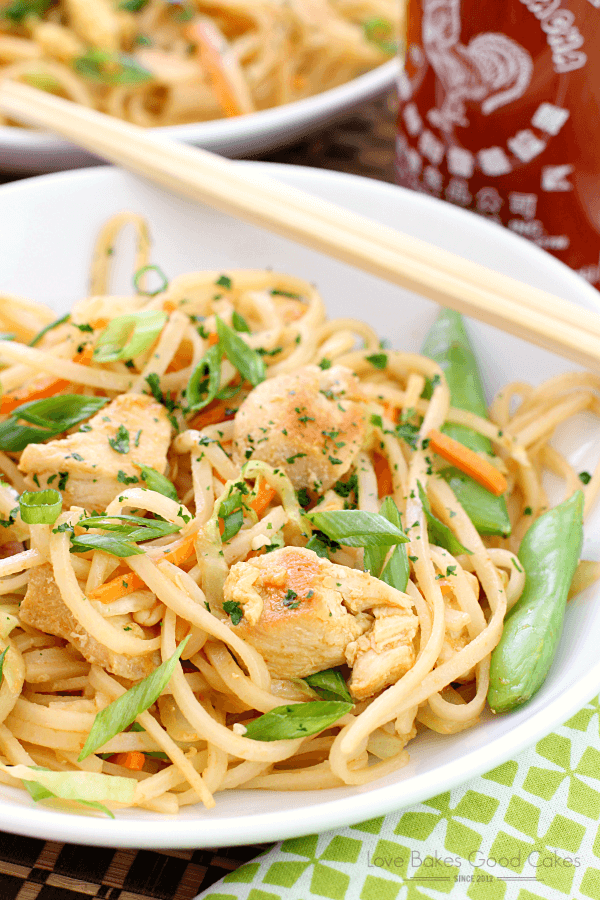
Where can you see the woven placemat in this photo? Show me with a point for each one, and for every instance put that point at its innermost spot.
(32, 869)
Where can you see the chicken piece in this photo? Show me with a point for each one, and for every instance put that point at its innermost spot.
(311, 423)
(43, 608)
(379, 657)
(293, 608)
(140, 432)
(302, 611)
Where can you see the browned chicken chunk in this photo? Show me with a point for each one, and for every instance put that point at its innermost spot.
(303, 613)
(133, 428)
(43, 608)
(311, 423)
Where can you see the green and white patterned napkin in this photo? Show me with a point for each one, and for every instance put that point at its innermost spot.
(525, 831)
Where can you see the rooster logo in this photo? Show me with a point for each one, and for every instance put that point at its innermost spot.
(492, 69)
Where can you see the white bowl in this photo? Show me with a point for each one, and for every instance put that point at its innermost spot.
(47, 228)
(23, 150)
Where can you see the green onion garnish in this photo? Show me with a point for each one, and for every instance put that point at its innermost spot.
(439, 533)
(140, 272)
(296, 721)
(330, 685)
(104, 67)
(247, 361)
(53, 416)
(357, 528)
(114, 718)
(154, 481)
(204, 384)
(48, 328)
(127, 336)
(40, 507)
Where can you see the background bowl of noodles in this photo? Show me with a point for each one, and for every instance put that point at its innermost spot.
(47, 231)
(233, 77)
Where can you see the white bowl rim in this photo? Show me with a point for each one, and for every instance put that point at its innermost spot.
(361, 805)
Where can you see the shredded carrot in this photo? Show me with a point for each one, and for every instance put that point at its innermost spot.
(126, 584)
(133, 759)
(212, 414)
(383, 474)
(213, 339)
(221, 67)
(263, 497)
(99, 323)
(169, 306)
(42, 387)
(468, 462)
(180, 554)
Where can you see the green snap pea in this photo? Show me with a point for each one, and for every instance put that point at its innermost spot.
(448, 344)
(549, 553)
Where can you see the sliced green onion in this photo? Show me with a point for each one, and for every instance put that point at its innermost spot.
(439, 533)
(82, 787)
(132, 5)
(127, 336)
(104, 67)
(330, 685)
(397, 569)
(140, 272)
(204, 384)
(380, 32)
(134, 528)
(40, 507)
(7, 336)
(154, 481)
(48, 328)
(114, 718)
(357, 528)
(296, 721)
(247, 361)
(105, 542)
(239, 322)
(18, 10)
(53, 415)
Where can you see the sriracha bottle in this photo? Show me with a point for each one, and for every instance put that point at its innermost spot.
(500, 113)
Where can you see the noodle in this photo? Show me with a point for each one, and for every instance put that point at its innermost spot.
(91, 606)
(157, 63)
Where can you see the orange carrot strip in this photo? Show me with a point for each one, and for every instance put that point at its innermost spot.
(213, 339)
(263, 497)
(117, 588)
(182, 552)
(221, 66)
(133, 759)
(42, 387)
(126, 584)
(468, 462)
(383, 474)
(212, 414)
(169, 306)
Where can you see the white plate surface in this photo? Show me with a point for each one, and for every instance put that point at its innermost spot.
(47, 229)
(27, 151)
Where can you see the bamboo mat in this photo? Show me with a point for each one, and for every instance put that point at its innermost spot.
(32, 869)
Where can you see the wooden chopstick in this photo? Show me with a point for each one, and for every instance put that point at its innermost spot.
(474, 290)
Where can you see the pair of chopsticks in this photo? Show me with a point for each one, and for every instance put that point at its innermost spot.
(474, 290)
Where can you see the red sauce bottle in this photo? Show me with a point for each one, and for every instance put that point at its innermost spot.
(500, 114)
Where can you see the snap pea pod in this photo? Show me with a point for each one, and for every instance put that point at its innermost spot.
(448, 344)
(549, 553)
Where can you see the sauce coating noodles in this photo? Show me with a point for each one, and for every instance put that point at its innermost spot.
(233, 424)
